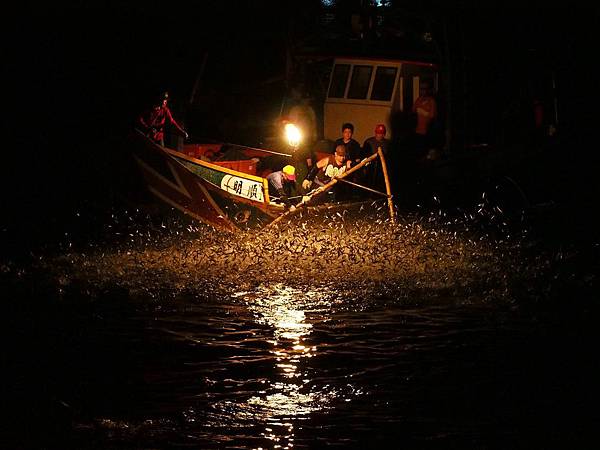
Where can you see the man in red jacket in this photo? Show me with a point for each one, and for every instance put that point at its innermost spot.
(153, 121)
(425, 108)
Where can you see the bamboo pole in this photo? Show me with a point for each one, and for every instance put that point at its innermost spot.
(324, 188)
(387, 185)
(374, 191)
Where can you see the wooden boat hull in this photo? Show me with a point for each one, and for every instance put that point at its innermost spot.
(223, 198)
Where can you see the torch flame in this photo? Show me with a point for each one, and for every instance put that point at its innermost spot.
(293, 135)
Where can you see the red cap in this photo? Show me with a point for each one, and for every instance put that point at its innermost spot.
(380, 129)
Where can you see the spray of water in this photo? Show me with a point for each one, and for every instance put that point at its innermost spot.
(358, 252)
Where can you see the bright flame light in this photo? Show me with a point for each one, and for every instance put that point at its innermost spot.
(293, 135)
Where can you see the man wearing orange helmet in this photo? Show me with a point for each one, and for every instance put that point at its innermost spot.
(371, 145)
(373, 175)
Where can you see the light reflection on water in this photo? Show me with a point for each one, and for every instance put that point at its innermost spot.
(261, 368)
(268, 383)
(280, 366)
(287, 398)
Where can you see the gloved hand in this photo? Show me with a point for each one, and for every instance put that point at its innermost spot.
(186, 135)
(306, 184)
(305, 199)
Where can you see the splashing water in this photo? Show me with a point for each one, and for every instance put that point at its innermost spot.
(360, 254)
(257, 340)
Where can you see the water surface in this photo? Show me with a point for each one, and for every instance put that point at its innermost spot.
(432, 335)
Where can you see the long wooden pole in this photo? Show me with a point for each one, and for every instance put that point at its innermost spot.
(374, 191)
(324, 188)
(387, 185)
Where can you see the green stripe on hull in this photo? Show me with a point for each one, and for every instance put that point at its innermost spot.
(211, 175)
(235, 183)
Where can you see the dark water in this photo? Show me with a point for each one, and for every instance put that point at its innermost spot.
(446, 338)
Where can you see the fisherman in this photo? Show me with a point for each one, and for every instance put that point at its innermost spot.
(282, 183)
(326, 169)
(153, 121)
(353, 157)
(425, 108)
(374, 175)
(353, 150)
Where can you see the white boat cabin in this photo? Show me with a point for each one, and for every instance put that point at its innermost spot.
(366, 92)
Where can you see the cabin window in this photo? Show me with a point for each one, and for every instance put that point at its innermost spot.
(383, 86)
(338, 80)
(359, 84)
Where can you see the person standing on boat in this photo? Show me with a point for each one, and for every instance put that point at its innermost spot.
(153, 121)
(353, 157)
(281, 184)
(326, 169)
(353, 150)
(425, 108)
(374, 175)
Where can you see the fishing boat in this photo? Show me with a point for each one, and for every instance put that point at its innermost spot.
(220, 184)
(225, 185)
(227, 194)
(357, 81)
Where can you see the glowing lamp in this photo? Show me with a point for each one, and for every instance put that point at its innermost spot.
(293, 135)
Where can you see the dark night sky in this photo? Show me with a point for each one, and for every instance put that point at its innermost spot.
(101, 61)
(80, 74)
(84, 65)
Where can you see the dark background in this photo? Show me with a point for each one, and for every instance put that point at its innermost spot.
(80, 73)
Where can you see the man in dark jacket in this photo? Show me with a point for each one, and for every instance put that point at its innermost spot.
(353, 155)
(353, 150)
(373, 174)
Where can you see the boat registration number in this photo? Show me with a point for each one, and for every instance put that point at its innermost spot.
(252, 190)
